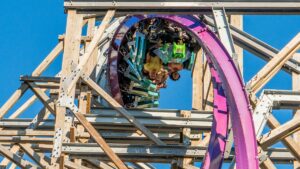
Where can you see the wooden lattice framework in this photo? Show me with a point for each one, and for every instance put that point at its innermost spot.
(77, 138)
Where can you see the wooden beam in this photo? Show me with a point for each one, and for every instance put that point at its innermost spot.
(33, 98)
(49, 59)
(207, 88)
(185, 139)
(99, 140)
(99, 164)
(33, 125)
(83, 108)
(72, 165)
(197, 76)
(92, 62)
(296, 87)
(266, 163)
(13, 99)
(85, 93)
(237, 21)
(16, 159)
(84, 39)
(14, 149)
(39, 159)
(280, 132)
(43, 97)
(24, 106)
(64, 118)
(122, 111)
(292, 146)
(274, 65)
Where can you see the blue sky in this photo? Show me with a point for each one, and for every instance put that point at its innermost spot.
(29, 31)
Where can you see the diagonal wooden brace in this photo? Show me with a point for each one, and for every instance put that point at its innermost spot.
(16, 159)
(122, 111)
(97, 137)
(274, 65)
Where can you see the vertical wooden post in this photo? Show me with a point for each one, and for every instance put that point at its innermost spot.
(84, 95)
(64, 117)
(197, 104)
(197, 76)
(207, 88)
(185, 139)
(237, 21)
(296, 87)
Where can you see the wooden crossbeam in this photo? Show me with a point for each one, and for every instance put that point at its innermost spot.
(22, 108)
(49, 59)
(16, 159)
(26, 133)
(274, 65)
(84, 39)
(280, 132)
(207, 88)
(13, 99)
(38, 158)
(72, 165)
(14, 148)
(40, 93)
(122, 111)
(99, 139)
(292, 146)
(29, 132)
(99, 164)
(296, 87)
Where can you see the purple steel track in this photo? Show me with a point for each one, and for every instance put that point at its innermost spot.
(214, 156)
(225, 76)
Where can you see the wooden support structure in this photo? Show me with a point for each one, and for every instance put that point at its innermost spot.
(100, 141)
(14, 149)
(274, 65)
(280, 132)
(70, 61)
(49, 59)
(123, 112)
(197, 76)
(35, 156)
(43, 97)
(13, 99)
(287, 141)
(16, 159)
(83, 67)
(237, 21)
(80, 134)
(296, 87)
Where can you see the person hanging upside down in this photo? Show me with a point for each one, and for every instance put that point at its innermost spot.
(152, 66)
(161, 78)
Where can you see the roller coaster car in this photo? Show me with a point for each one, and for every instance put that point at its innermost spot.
(153, 50)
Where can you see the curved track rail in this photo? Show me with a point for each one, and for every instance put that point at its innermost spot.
(225, 76)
